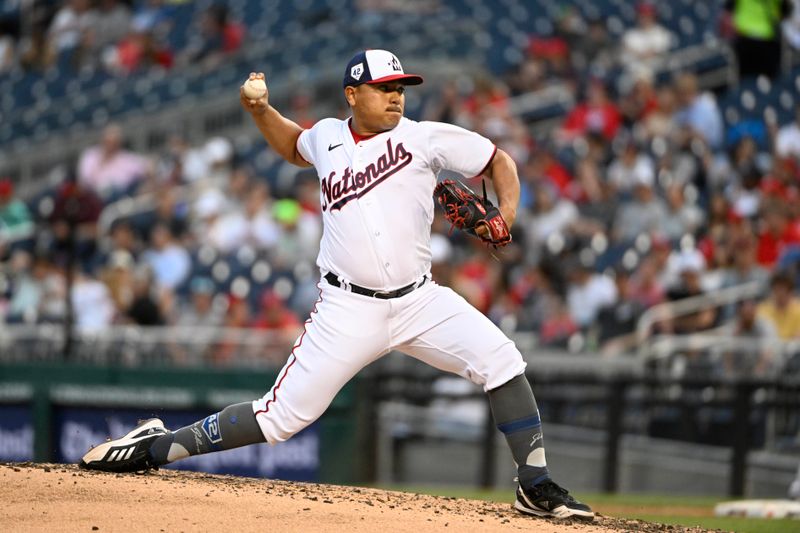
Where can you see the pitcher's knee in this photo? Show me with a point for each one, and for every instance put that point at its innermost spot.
(278, 423)
(503, 367)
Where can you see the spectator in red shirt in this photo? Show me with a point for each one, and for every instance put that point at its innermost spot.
(274, 316)
(139, 51)
(778, 232)
(73, 222)
(486, 93)
(554, 51)
(237, 318)
(646, 288)
(782, 181)
(218, 36)
(640, 101)
(542, 169)
(474, 280)
(597, 114)
(559, 325)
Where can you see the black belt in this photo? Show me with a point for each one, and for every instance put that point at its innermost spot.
(372, 293)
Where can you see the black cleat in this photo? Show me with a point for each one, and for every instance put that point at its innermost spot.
(548, 499)
(128, 453)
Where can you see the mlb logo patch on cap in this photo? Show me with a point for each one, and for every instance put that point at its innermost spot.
(376, 66)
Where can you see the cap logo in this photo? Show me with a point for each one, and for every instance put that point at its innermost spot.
(356, 71)
(395, 64)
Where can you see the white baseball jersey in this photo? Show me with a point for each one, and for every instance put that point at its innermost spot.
(377, 202)
(377, 195)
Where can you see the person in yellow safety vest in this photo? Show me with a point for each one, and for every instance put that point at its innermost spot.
(757, 40)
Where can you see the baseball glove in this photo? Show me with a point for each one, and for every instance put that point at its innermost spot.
(467, 211)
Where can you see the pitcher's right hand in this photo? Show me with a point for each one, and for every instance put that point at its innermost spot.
(254, 106)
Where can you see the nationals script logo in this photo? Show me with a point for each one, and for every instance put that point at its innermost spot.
(335, 194)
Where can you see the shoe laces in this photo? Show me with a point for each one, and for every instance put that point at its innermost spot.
(548, 485)
(552, 485)
(550, 488)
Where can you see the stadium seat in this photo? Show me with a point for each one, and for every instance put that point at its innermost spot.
(284, 39)
(787, 100)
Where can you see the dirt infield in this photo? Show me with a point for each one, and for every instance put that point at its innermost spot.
(49, 497)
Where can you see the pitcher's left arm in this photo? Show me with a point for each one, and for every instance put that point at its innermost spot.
(503, 173)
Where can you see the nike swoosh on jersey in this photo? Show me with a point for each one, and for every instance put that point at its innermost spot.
(331, 147)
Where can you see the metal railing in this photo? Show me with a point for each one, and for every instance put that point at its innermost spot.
(620, 406)
(135, 346)
(688, 306)
(718, 344)
(536, 100)
(684, 58)
(613, 394)
(134, 205)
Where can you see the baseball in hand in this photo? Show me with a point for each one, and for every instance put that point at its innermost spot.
(255, 88)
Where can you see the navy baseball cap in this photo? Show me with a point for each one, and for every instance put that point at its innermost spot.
(376, 66)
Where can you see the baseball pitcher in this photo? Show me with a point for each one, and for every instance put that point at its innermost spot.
(378, 180)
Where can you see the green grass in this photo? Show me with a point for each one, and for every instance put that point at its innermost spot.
(653, 508)
(650, 500)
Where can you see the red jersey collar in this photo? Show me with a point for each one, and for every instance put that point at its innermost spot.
(356, 137)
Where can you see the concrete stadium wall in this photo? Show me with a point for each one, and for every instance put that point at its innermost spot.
(575, 457)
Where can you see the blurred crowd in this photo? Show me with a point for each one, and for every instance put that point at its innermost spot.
(120, 36)
(640, 195)
(212, 247)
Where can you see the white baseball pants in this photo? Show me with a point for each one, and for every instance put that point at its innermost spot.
(347, 331)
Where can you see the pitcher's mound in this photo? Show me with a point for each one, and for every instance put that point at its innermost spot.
(50, 497)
